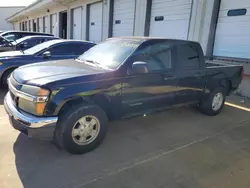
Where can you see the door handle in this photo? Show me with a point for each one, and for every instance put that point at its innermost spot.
(167, 78)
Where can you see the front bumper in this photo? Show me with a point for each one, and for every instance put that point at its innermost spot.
(35, 127)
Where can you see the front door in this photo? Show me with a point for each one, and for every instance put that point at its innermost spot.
(153, 90)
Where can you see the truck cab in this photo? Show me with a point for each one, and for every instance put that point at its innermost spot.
(71, 101)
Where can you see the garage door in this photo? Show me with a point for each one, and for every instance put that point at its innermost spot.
(46, 24)
(16, 26)
(123, 18)
(170, 18)
(77, 23)
(41, 25)
(54, 24)
(232, 37)
(95, 22)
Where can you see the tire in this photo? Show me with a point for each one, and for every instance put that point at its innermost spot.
(5, 77)
(208, 107)
(71, 123)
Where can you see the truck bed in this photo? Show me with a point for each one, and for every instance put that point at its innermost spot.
(231, 71)
(220, 63)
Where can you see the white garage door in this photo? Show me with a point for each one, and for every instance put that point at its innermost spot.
(41, 25)
(46, 24)
(54, 24)
(77, 23)
(95, 22)
(170, 18)
(123, 18)
(232, 38)
(16, 26)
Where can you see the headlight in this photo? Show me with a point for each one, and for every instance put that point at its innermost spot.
(40, 97)
(1, 63)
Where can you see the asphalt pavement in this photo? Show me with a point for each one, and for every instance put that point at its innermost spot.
(179, 148)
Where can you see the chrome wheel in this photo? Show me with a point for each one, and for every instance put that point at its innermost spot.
(217, 101)
(86, 130)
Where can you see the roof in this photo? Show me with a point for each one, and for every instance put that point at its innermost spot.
(142, 38)
(14, 31)
(56, 41)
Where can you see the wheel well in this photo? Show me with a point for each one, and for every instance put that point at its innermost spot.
(6, 71)
(99, 100)
(227, 84)
(9, 69)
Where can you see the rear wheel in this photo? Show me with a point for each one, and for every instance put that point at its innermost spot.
(81, 129)
(214, 102)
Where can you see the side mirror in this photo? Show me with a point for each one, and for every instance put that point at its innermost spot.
(139, 67)
(46, 54)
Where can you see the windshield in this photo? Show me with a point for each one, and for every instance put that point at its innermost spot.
(19, 40)
(36, 49)
(3, 41)
(110, 54)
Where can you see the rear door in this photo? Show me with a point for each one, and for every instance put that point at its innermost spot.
(191, 74)
(156, 89)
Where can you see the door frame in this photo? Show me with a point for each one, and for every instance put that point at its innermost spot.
(88, 17)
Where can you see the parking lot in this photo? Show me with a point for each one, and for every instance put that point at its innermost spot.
(179, 148)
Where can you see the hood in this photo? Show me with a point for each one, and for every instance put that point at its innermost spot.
(47, 72)
(11, 54)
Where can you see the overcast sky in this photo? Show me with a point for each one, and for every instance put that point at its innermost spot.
(15, 2)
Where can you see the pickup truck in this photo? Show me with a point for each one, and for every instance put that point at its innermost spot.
(71, 101)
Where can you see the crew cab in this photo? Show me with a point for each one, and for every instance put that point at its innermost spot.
(71, 101)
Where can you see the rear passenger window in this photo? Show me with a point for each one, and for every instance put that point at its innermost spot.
(81, 48)
(157, 56)
(188, 57)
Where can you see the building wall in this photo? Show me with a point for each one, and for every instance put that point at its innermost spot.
(6, 12)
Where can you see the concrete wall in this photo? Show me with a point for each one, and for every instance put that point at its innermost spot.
(6, 12)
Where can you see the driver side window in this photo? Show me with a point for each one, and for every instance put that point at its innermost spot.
(157, 56)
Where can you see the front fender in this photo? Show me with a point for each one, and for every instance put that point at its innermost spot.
(101, 94)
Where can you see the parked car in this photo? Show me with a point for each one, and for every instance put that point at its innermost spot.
(51, 50)
(71, 101)
(25, 43)
(14, 35)
(5, 45)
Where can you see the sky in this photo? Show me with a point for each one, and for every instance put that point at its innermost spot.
(16, 2)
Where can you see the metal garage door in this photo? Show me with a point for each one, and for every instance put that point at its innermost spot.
(232, 38)
(54, 24)
(41, 25)
(95, 22)
(16, 26)
(170, 18)
(46, 24)
(123, 17)
(77, 23)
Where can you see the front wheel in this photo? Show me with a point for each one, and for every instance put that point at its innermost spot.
(214, 102)
(81, 129)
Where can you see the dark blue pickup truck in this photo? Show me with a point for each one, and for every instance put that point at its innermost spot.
(71, 101)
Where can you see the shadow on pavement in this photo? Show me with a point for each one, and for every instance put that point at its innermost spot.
(42, 164)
